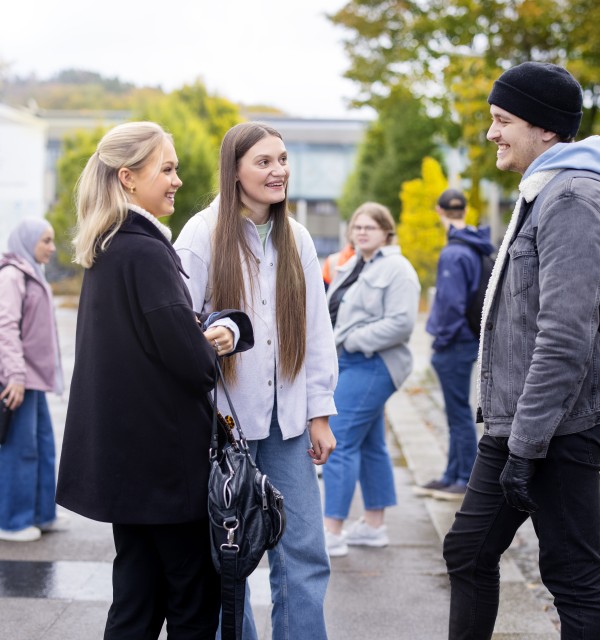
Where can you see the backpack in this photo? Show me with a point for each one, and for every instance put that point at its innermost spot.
(475, 305)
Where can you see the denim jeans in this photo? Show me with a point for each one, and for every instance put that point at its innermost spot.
(27, 466)
(361, 453)
(299, 564)
(454, 366)
(566, 486)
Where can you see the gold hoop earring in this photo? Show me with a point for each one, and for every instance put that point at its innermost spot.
(132, 189)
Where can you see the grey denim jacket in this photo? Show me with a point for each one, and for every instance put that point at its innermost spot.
(540, 357)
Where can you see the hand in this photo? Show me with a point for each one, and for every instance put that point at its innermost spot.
(221, 339)
(515, 479)
(13, 395)
(321, 439)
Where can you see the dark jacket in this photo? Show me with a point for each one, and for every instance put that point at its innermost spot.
(458, 273)
(137, 432)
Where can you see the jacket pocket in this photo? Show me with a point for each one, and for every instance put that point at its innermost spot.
(523, 264)
(370, 298)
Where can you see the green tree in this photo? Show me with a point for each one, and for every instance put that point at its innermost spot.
(448, 54)
(218, 113)
(196, 150)
(391, 153)
(77, 148)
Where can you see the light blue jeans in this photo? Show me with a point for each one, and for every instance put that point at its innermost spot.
(27, 466)
(299, 564)
(361, 453)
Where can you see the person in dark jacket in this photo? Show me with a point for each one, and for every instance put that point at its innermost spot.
(455, 345)
(136, 443)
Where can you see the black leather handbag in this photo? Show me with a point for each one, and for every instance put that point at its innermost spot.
(246, 513)
(5, 417)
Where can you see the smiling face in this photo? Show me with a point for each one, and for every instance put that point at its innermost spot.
(45, 248)
(519, 143)
(262, 175)
(155, 185)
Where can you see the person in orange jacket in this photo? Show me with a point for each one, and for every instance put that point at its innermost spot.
(335, 260)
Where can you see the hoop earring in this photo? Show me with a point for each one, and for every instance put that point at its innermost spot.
(132, 190)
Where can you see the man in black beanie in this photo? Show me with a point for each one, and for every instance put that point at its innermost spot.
(539, 366)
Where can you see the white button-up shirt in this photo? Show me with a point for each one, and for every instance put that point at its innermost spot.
(310, 394)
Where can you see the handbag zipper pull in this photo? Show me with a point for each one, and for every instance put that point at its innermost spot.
(265, 505)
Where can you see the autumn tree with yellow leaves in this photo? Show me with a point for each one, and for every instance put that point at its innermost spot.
(420, 232)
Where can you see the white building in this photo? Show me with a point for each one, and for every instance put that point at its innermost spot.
(23, 168)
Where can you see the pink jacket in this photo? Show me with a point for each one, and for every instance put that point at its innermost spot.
(28, 340)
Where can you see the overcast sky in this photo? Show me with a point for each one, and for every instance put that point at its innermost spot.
(285, 54)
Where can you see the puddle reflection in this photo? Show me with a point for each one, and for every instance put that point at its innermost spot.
(56, 580)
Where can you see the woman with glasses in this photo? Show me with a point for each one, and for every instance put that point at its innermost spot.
(373, 303)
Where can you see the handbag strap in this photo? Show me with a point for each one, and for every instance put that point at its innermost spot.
(233, 593)
(219, 377)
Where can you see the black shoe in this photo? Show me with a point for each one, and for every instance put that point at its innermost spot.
(451, 492)
(429, 488)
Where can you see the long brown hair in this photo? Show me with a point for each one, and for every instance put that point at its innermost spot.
(227, 267)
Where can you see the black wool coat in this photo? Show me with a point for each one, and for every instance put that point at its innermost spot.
(137, 433)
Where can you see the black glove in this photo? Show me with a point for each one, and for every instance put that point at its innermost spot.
(514, 481)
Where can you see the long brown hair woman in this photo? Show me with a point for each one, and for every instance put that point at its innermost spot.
(244, 251)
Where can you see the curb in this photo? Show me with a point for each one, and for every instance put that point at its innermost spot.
(521, 615)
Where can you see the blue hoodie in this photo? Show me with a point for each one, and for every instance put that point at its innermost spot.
(458, 274)
(584, 155)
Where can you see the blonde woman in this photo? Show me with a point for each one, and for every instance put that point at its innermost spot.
(135, 450)
(245, 251)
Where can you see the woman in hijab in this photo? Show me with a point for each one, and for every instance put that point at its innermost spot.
(29, 366)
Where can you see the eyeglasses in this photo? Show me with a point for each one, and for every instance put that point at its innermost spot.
(368, 228)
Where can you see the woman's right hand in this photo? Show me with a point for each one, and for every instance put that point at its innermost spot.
(220, 338)
(13, 395)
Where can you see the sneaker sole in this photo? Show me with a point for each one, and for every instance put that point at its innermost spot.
(337, 553)
(423, 493)
(31, 538)
(368, 543)
(449, 497)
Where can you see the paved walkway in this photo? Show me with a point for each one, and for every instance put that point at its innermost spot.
(59, 588)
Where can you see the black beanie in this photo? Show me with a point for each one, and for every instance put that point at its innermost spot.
(543, 94)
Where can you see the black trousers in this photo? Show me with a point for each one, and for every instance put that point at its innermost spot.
(566, 486)
(163, 572)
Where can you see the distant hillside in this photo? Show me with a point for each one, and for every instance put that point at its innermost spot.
(74, 89)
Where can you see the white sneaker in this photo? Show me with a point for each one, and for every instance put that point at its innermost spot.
(28, 534)
(62, 522)
(363, 534)
(336, 545)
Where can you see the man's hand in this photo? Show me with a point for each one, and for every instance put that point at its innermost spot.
(321, 439)
(515, 479)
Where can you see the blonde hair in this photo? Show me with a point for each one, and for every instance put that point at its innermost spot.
(100, 196)
(227, 270)
(381, 215)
